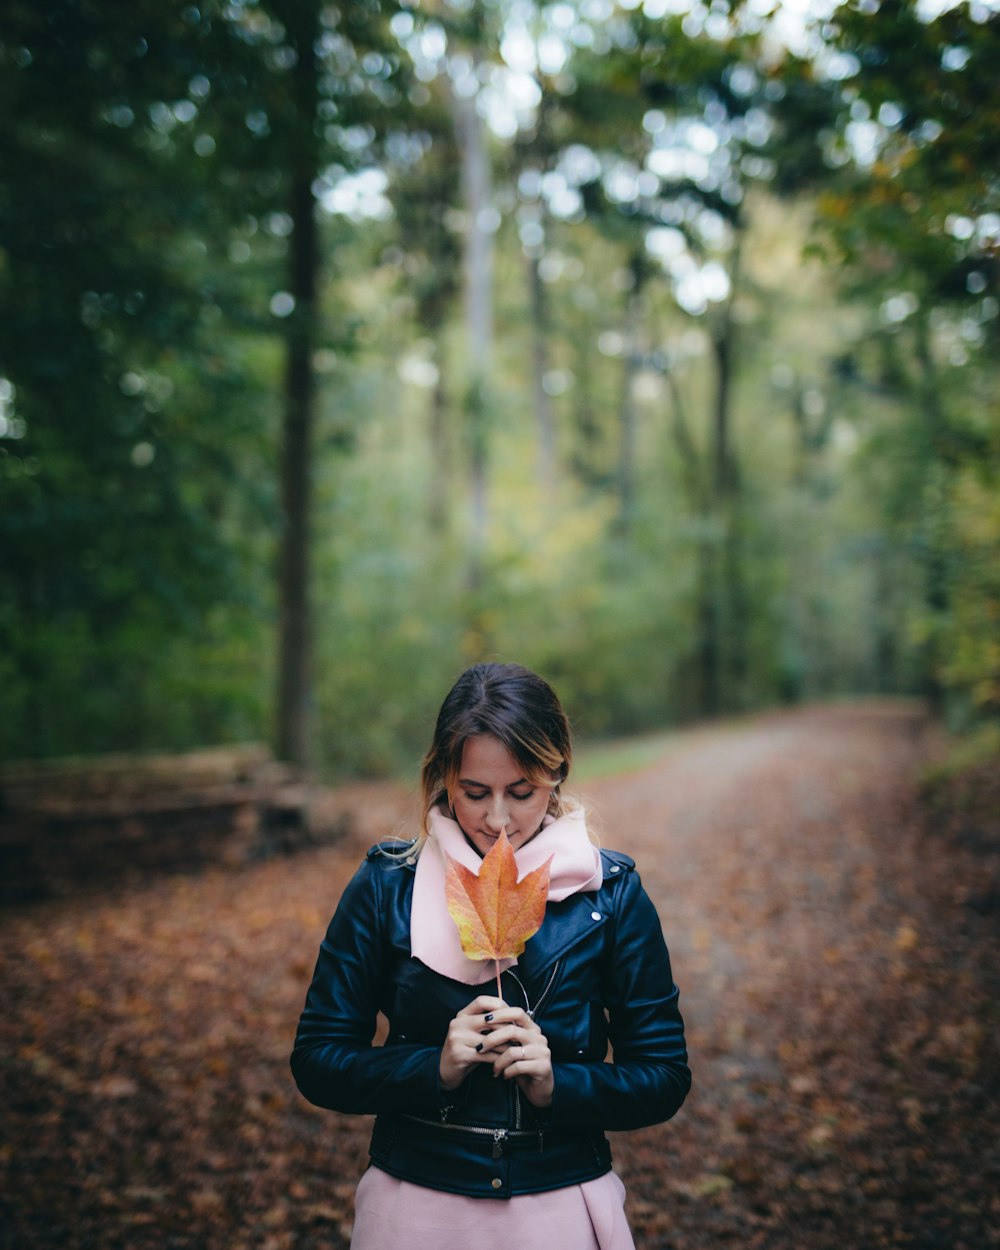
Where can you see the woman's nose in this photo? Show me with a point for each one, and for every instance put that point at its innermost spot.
(496, 816)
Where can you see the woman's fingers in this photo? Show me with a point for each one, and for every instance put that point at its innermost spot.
(521, 1052)
(529, 1063)
(459, 1052)
(485, 1004)
(506, 1022)
(485, 1031)
(532, 1070)
(504, 1035)
(474, 1035)
(517, 1054)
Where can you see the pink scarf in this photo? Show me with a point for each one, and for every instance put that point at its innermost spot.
(434, 939)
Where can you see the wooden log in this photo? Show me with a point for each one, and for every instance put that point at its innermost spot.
(84, 822)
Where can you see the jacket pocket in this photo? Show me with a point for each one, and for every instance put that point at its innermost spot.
(569, 1032)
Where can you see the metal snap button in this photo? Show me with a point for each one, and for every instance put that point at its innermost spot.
(496, 1182)
(595, 915)
(616, 868)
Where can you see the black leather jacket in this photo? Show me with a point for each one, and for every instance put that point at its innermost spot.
(597, 971)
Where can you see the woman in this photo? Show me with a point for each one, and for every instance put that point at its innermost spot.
(479, 1097)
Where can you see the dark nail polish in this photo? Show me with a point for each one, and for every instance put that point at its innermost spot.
(479, 1047)
(488, 1018)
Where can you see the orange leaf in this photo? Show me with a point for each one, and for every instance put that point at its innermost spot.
(496, 913)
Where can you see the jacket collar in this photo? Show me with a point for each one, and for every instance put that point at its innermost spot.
(565, 924)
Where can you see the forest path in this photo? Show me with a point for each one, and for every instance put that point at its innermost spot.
(839, 983)
(838, 976)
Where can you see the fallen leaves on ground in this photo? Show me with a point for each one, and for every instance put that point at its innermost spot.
(837, 957)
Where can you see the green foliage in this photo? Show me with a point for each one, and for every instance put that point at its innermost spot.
(915, 223)
(607, 759)
(848, 541)
(970, 628)
(132, 420)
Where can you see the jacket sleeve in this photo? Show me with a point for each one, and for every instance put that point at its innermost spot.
(649, 1078)
(333, 1060)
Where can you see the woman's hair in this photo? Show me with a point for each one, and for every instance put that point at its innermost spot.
(513, 705)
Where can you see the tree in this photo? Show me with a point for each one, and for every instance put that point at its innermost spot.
(108, 300)
(424, 189)
(330, 62)
(191, 132)
(913, 215)
(685, 123)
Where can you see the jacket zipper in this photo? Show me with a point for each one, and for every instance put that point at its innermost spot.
(499, 1135)
(533, 1011)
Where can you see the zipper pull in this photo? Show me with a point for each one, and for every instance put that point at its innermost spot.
(499, 1137)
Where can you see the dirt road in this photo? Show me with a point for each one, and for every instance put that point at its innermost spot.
(837, 961)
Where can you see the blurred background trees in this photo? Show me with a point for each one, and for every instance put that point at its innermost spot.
(650, 344)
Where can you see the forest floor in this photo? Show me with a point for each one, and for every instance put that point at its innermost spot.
(836, 947)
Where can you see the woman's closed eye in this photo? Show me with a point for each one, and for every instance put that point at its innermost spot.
(475, 796)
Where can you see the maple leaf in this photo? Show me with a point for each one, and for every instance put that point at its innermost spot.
(496, 913)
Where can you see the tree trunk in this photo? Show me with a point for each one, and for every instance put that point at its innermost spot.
(699, 495)
(691, 469)
(722, 459)
(627, 417)
(478, 317)
(544, 415)
(731, 615)
(585, 455)
(439, 513)
(294, 720)
(933, 521)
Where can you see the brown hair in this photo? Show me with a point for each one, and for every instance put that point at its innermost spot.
(518, 708)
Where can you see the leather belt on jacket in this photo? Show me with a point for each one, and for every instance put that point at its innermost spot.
(481, 1161)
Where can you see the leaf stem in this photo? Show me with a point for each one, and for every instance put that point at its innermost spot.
(503, 830)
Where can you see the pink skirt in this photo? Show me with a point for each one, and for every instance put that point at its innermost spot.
(390, 1214)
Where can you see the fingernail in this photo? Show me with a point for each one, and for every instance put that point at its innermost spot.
(479, 1047)
(488, 1018)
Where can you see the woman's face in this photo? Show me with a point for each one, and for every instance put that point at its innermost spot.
(493, 794)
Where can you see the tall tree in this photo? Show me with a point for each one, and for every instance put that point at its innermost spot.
(425, 191)
(300, 118)
(666, 113)
(185, 134)
(913, 213)
(108, 299)
(325, 82)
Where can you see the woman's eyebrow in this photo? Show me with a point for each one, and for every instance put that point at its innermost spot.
(481, 785)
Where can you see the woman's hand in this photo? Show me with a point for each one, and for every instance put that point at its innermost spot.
(488, 1031)
(520, 1050)
(466, 1044)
